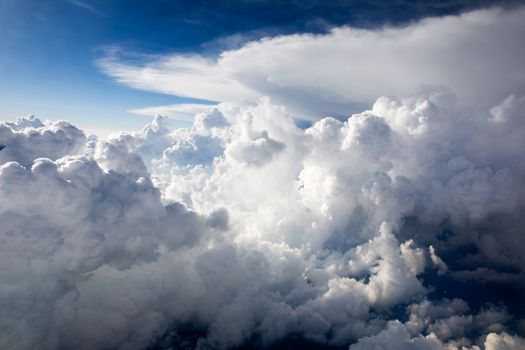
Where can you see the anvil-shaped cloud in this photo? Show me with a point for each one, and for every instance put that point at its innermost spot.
(480, 55)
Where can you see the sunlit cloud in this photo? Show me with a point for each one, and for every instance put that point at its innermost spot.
(397, 225)
(182, 111)
(479, 55)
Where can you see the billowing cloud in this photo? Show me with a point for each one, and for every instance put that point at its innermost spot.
(396, 337)
(398, 227)
(246, 229)
(29, 138)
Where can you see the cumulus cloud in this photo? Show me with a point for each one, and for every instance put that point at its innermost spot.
(246, 230)
(395, 336)
(30, 138)
(478, 54)
(62, 221)
(503, 341)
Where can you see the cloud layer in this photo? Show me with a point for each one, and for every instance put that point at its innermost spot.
(397, 227)
(249, 230)
(479, 55)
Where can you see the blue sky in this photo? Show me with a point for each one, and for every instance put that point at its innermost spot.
(48, 48)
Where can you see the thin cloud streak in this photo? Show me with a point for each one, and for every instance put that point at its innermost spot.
(182, 111)
(87, 7)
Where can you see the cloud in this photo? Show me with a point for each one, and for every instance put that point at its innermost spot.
(88, 7)
(257, 151)
(478, 54)
(29, 138)
(246, 230)
(503, 341)
(64, 220)
(188, 76)
(437, 261)
(250, 230)
(183, 111)
(395, 336)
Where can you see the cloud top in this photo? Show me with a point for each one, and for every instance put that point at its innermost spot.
(478, 54)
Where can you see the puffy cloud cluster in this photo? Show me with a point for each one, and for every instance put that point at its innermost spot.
(445, 325)
(399, 227)
(29, 138)
(395, 336)
(63, 219)
(246, 229)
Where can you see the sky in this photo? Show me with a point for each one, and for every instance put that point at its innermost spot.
(49, 50)
(267, 175)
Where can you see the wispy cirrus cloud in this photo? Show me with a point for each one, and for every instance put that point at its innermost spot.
(88, 7)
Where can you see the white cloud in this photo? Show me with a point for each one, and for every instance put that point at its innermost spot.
(30, 138)
(87, 7)
(249, 229)
(182, 111)
(477, 54)
(301, 235)
(396, 337)
(438, 263)
(257, 151)
(188, 76)
(504, 341)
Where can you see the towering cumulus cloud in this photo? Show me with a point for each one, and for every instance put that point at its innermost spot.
(399, 227)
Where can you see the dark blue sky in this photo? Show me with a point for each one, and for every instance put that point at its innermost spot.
(48, 48)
